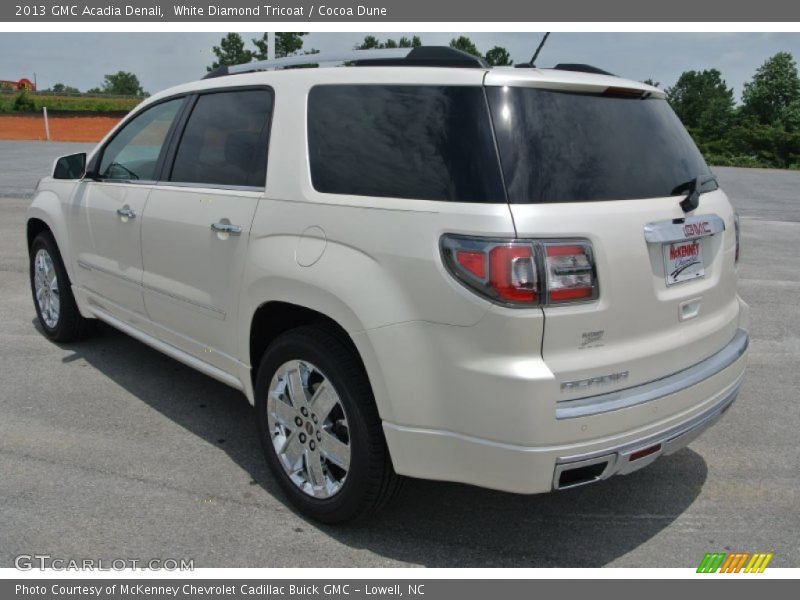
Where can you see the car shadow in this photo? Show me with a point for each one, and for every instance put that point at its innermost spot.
(430, 523)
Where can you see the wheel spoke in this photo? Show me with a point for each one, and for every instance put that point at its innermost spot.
(316, 476)
(292, 450)
(284, 413)
(324, 400)
(335, 450)
(296, 389)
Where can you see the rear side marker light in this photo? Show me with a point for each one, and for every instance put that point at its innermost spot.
(645, 452)
(523, 272)
(473, 262)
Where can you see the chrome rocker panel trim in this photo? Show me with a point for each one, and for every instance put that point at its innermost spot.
(602, 403)
(670, 440)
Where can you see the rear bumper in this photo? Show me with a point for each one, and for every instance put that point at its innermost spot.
(680, 408)
(576, 470)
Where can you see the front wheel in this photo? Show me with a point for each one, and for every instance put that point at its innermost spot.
(319, 427)
(52, 293)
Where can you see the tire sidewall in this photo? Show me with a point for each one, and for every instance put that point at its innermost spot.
(347, 502)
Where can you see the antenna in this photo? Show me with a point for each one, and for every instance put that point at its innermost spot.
(539, 49)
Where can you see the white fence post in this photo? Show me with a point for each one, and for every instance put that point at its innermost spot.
(46, 124)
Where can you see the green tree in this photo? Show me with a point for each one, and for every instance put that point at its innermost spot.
(465, 44)
(120, 83)
(774, 88)
(649, 81)
(23, 102)
(414, 42)
(286, 44)
(370, 42)
(499, 57)
(60, 88)
(704, 103)
(231, 51)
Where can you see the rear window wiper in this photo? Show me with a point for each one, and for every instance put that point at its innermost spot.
(693, 189)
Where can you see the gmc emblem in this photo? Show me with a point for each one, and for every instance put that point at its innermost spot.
(696, 229)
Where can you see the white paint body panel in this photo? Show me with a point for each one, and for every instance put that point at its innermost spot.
(467, 389)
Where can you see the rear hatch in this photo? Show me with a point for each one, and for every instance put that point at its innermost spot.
(611, 165)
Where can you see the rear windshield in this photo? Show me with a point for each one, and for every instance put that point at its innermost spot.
(403, 141)
(567, 147)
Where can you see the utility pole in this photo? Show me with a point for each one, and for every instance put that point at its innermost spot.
(271, 45)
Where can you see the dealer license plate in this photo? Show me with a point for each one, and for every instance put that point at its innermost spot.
(683, 261)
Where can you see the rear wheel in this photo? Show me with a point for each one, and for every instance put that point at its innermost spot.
(52, 294)
(319, 428)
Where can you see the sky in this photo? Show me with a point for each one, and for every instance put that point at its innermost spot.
(161, 60)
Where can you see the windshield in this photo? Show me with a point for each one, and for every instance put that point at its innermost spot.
(574, 147)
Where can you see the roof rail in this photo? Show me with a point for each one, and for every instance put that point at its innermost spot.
(422, 56)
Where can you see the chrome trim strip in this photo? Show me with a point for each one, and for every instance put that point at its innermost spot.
(84, 265)
(602, 403)
(660, 232)
(217, 312)
(671, 440)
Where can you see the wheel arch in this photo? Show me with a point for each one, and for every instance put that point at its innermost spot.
(271, 318)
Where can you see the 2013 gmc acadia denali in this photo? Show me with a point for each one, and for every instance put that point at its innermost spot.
(518, 278)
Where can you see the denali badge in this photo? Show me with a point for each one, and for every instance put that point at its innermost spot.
(578, 384)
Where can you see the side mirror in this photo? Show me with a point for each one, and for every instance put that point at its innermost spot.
(72, 166)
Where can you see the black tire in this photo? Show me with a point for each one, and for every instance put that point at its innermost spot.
(70, 325)
(371, 480)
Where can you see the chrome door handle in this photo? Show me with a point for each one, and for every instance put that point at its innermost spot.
(126, 213)
(222, 227)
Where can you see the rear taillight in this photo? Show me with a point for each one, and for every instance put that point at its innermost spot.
(523, 272)
(738, 235)
(570, 271)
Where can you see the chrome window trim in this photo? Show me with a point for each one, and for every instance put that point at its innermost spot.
(673, 230)
(210, 186)
(671, 384)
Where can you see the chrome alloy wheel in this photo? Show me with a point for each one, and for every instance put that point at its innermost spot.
(45, 284)
(309, 428)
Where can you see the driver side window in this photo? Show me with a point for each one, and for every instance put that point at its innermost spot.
(134, 151)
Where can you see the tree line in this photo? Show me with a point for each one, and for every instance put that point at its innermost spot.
(762, 131)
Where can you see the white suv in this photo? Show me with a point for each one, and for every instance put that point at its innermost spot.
(518, 278)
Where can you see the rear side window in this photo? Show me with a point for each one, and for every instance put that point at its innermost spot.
(421, 142)
(569, 147)
(225, 140)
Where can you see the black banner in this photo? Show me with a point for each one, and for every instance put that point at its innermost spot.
(474, 11)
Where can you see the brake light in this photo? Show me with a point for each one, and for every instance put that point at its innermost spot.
(736, 230)
(513, 273)
(523, 272)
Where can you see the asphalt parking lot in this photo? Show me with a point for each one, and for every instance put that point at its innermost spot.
(109, 449)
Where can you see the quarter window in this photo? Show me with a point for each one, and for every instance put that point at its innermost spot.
(421, 142)
(133, 152)
(225, 140)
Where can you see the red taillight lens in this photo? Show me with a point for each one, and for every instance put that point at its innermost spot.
(510, 271)
(474, 262)
(513, 273)
(570, 271)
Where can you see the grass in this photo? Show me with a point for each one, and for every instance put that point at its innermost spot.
(100, 104)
